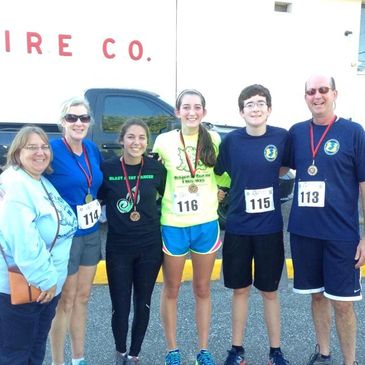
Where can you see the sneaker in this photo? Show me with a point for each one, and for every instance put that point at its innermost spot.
(204, 357)
(120, 359)
(317, 359)
(235, 357)
(277, 358)
(173, 358)
(133, 360)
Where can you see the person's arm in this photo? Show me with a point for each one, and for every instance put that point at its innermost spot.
(23, 240)
(360, 252)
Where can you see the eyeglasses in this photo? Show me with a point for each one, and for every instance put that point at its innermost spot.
(73, 118)
(35, 148)
(251, 105)
(322, 90)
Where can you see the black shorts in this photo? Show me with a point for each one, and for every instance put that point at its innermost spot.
(267, 251)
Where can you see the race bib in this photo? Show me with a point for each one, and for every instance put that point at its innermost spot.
(186, 202)
(259, 200)
(88, 214)
(311, 194)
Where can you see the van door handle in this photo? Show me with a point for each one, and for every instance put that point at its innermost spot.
(110, 146)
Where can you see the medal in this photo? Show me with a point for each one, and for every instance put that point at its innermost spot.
(312, 170)
(193, 188)
(88, 174)
(88, 198)
(135, 216)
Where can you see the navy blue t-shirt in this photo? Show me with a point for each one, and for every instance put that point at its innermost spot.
(253, 162)
(341, 166)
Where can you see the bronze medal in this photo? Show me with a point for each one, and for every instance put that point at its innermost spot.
(135, 216)
(312, 170)
(193, 188)
(88, 198)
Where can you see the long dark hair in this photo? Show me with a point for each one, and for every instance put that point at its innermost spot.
(208, 152)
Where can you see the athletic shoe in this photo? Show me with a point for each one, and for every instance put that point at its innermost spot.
(120, 359)
(235, 357)
(204, 357)
(173, 358)
(132, 361)
(317, 359)
(277, 358)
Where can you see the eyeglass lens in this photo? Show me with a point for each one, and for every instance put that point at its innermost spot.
(321, 90)
(73, 118)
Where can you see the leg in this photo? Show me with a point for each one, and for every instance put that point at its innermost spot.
(18, 331)
(272, 316)
(202, 271)
(239, 314)
(85, 277)
(146, 270)
(172, 267)
(43, 326)
(346, 329)
(61, 321)
(321, 313)
(119, 264)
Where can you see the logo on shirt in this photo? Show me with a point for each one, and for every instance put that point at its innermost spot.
(271, 153)
(183, 165)
(125, 205)
(331, 147)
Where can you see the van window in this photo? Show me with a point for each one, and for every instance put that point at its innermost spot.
(117, 109)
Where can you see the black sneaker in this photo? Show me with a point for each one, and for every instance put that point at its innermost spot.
(277, 358)
(317, 359)
(235, 357)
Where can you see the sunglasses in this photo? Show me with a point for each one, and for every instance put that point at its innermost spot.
(73, 118)
(321, 90)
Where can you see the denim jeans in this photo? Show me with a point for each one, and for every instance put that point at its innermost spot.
(23, 331)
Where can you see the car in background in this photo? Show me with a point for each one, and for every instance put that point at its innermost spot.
(286, 182)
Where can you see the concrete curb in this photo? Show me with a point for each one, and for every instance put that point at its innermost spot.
(101, 277)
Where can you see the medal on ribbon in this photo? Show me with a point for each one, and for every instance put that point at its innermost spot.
(192, 188)
(134, 215)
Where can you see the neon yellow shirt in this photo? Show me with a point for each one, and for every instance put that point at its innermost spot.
(181, 208)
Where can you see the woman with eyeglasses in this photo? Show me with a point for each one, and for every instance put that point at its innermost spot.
(34, 220)
(77, 176)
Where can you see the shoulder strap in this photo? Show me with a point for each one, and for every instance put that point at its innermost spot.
(57, 215)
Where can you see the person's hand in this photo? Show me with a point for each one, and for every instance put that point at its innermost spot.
(360, 253)
(47, 295)
(221, 195)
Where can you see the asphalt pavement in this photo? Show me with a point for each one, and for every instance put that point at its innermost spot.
(297, 331)
(298, 339)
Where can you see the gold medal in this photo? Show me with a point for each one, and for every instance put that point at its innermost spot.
(135, 216)
(193, 188)
(88, 198)
(312, 170)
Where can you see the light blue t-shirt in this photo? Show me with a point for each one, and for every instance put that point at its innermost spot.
(28, 225)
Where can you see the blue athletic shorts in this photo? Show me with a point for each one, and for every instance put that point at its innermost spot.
(202, 238)
(325, 266)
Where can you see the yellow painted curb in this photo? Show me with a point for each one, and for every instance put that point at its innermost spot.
(101, 277)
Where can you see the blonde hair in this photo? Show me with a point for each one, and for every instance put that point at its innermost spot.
(20, 141)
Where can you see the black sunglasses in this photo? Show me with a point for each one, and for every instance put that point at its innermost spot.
(321, 90)
(73, 118)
